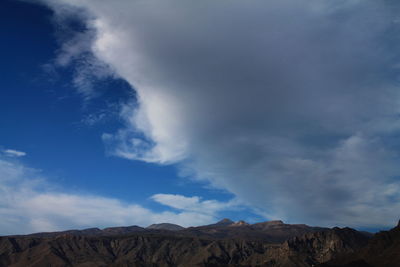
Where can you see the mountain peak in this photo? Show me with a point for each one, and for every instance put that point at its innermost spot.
(225, 221)
(274, 222)
(239, 223)
(165, 226)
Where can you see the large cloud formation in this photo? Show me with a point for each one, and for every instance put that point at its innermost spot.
(291, 105)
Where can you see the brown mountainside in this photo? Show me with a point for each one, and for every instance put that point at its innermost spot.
(271, 231)
(228, 244)
(166, 226)
(383, 249)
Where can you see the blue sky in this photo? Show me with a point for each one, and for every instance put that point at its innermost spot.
(140, 113)
(44, 116)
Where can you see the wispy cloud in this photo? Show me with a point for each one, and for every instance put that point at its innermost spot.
(29, 203)
(290, 105)
(195, 204)
(13, 153)
(75, 37)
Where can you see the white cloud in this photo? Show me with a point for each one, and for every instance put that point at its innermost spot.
(194, 204)
(28, 203)
(126, 143)
(13, 153)
(291, 105)
(76, 51)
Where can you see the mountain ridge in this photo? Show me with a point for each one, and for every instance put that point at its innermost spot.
(165, 226)
(278, 244)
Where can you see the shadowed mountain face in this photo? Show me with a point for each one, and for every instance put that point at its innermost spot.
(271, 231)
(92, 232)
(383, 249)
(221, 244)
(165, 226)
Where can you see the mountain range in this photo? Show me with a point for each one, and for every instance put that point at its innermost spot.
(225, 243)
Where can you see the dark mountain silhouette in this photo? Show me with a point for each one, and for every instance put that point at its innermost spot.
(92, 232)
(225, 243)
(166, 226)
(223, 222)
(122, 230)
(271, 231)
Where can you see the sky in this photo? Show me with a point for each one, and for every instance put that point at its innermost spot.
(135, 112)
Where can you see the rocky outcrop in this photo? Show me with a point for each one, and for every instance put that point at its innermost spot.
(138, 250)
(319, 247)
(382, 250)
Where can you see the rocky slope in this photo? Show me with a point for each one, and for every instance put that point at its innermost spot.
(383, 249)
(320, 247)
(183, 248)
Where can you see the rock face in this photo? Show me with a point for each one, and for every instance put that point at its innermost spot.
(383, 249)
(186, 247)
(155, 250)
(320, 247)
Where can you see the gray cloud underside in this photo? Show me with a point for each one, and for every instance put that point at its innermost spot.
(291, 105)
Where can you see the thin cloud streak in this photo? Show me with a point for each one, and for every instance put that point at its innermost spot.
(13, 153)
